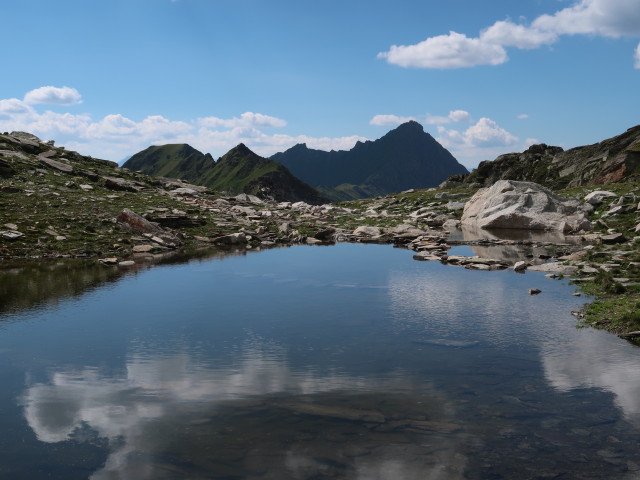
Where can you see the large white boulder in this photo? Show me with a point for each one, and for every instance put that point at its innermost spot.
(524, 205)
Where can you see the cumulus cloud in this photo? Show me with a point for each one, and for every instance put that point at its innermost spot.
(116, 136)
(246, 120)
(459, 116)
(509, 34)
(454, 50)
(609, 18)
(53, 96)
(13, 106)
(454, 116)
(483, 140)
(389, 120)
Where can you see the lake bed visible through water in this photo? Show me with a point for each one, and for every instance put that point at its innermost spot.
(347, 362)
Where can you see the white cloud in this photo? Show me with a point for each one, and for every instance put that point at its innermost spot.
(389, 120)
(455, 116)
(446, 51)
(609, 18)
(509, 34)
(484, 140)
(522, 116)
(13, 106)
(459, 116)
(115, 136)
(487, 133)
(636, 57)
(246, 120)
(53, 96)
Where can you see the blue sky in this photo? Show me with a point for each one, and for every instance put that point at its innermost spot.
(110, 78)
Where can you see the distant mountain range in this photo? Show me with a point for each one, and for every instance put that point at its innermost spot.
(406, 157)
(238, 171)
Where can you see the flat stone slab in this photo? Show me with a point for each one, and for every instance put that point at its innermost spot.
(62, 167)
(554, 268)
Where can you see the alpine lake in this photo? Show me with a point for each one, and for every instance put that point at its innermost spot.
(344, 362)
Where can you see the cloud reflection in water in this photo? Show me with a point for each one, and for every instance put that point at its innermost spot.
(164, 396)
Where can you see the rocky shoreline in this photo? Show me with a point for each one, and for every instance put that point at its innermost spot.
(60, 204)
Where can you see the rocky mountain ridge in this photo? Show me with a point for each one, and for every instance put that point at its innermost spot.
(613, 160)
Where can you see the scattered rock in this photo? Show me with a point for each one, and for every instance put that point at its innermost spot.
(176, 220)
(555, 267)
(365, 231)
(534, 291)
(10, 234)
(143, 248)
(243, 197)
(135, 223)
(184, 191)
(451, 224)
(62, 167)
(614, 238)
(120, 184)
(126, 263)
(426, 256)
(6, 170)
(596, 198)
(326, 234)
(233, 239)
(108, 261)
(589, 270)
(284, 228)
(520, 266)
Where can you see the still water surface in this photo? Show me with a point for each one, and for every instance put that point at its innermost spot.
(352, 362)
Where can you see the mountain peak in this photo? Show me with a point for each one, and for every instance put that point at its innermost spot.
(411, 125)
(240, 149)
(406, 157)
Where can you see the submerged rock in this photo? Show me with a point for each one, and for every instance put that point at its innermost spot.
(524, 205)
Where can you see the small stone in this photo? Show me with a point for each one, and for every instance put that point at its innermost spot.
(233, 239)
(577, 294)
(10, 234)
(614, 238)
(534, 291)
(126, 263)
(367, 231)
(142, 248)
(520, 266)
(595, 198)
(60, 238)
(86, 187)
(11, 226)
(108, 261)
